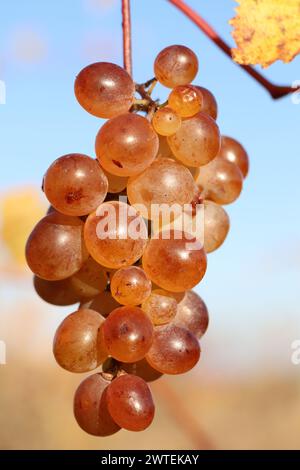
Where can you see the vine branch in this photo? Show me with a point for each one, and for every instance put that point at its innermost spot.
(126, 27)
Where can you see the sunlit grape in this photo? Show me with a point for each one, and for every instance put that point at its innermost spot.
(192, 314)
(90, 280)
(56, 292)
(197, 142)
(216, 226)
(166, 121)
(234, 152)
(161, 307)
(116, 184)
(175, 65)
(209, 103)
(186, 100)
(104, 89)
(141, 369)
(130, 286)
(126, 145)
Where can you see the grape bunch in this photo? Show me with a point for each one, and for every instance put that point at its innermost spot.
(102, 247)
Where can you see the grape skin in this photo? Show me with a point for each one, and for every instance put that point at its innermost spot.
(90, 280)
(186, 100)
(209, 103)
(141, 369)
(130, 286)
(161, 307)
(175, 65)
(166, 121)
(192, 314)
(234, 152)
(216, 226)
(58, 293)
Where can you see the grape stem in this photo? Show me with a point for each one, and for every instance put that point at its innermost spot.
(126, 27)
(276, 91)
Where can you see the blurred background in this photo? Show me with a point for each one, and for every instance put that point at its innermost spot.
(245, 393)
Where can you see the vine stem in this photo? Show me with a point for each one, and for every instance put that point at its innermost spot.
(276, 91)
(126, 26)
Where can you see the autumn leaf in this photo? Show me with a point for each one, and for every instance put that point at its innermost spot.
(266, 31)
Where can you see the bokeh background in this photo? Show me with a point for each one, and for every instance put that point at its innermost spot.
(245, 393)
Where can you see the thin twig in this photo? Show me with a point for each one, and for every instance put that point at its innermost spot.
(276, 91)
(126, 26)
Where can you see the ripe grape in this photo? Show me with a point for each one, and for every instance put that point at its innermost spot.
(164, 182)
(164, 150)
(174, 350)
(192, 314)
(220, 181)
(141, 369)
(161, 307)
(216, 226)
(127, 334)
(103, 303)
(75, 184)
(116, 184)
(175, 65)
(90, 280)
(234, 152)
(104, 89)
(55, 248)
(197, 142)
(130, 286)
(166, 121)
(130, 402)
(186, 100)
(175, 264)
(126, 145)
(76, 346)
(90, 407)
(209, 103)
(56, 292)
(115, 235)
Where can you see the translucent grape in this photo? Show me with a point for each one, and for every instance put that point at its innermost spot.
(126, 145)
(76, 347)
(103, 303)
(164, 150)
(166, 121)
(216, 226)
(197, 142)
(90, 407)
(130, 286)
(127, 334)
(116, 184)
(141, 369)
(175, 264)
(56, 292)
(186, 100)
(161, 307)
(90, 280)
(55, 248)
(220, 181)
(175, 65)
(75, 184)
(130, 402)
(175, 350)
(164, 182)
(104, 89)
(234, 152)
(192, 314)
(209, 103)
(117, 236)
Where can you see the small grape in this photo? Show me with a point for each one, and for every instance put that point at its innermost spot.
(161, 307)
(175, 350)
(130, 402)
(90, 280)
(116, 184)
(175, 65)
(130, 286)
(141, 369)
(76, 347)
(197, 142)
(56, 292)
(166, 121)
(104, 89)
(192, 314)
(234, 152)
(209, 103)
(186, 100)
(216, 226)
(127, 334)
(126, 145)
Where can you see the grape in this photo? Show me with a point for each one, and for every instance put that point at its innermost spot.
(175, 264)
(130, 402)
(90, 407)
(56, 292)
(126, 145)
(234, 152)
(104, 90)
(55, 248)
(127, 334)
(130, 286)
(164, 182)
(164, 150)
(166, 121)
(175, 65)
(116, 184)
(141, 369)
(90, 280)
(76, 347)
(216, 226)
(209, 103)
(192, 314)
(220, 181)
(75, 184)
(161, 307)
(175, 350)
(117, 236)
(103, 303)
(186, 100)
(197, 142)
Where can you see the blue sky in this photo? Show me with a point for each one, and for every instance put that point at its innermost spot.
(254, 278)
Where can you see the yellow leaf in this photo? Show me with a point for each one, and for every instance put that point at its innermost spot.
(266, 31)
